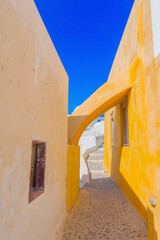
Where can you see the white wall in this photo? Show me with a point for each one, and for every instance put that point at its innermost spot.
(85, 143)
(155, 13)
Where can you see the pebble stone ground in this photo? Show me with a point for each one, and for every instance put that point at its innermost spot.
(103, 212)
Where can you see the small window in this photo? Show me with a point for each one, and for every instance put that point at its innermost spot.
(112, 130)
(125, 122)
(37, 173)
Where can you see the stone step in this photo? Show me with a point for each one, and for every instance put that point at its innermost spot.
(95, 165)
(96, 157)
(96, 154)
(98, 174)
(95, 161)
(99, 151)
(99, 171)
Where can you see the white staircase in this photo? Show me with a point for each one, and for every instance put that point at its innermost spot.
(95, 164)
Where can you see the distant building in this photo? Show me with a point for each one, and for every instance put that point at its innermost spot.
(99, 119)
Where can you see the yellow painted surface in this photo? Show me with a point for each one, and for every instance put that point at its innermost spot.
(33, 106)
(136, 73)
(136, 168)
(73, 174)
(102, 100)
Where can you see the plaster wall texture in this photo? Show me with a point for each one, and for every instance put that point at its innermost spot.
(98, 103)
(136, 168)
(73, 175)
(88, 133)
(99, 129)
(34, 88)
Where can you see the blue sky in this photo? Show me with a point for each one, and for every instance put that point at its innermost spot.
(86, 35)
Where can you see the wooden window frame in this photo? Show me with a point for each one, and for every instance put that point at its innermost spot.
(34, 193)
(112, 128)
(125, 125)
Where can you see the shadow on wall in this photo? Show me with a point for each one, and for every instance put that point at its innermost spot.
(116, 162)
(73, 124)
(116, 175)
(152, 232)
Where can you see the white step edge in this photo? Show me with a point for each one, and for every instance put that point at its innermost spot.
(96, 154)
(95, 161)
(98, 171)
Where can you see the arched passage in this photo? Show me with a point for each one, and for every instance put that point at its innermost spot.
(135, 167)
(99, 102)
(107, 96)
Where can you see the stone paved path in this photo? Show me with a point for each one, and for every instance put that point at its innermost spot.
(103, 212)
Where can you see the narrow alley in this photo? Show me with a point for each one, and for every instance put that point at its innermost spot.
(101, 210)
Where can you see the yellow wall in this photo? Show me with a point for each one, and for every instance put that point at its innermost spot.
(73, 174)
(33, 106)
(136, 168)
(135, 72)
(99, 102)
